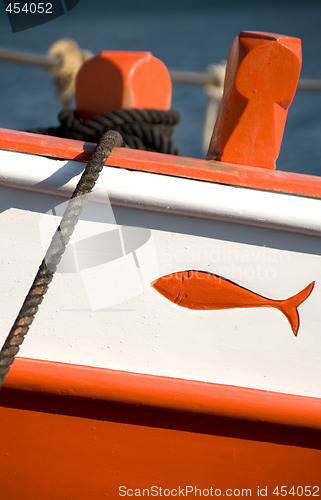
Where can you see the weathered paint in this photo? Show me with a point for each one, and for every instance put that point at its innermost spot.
(175, 166)
(262, 74)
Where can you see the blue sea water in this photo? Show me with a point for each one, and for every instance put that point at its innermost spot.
(186, 35)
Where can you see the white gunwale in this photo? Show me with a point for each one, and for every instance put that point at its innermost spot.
(164, 193)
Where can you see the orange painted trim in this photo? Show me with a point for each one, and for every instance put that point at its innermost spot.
(190, 168)
(162, 393)
(44, 145)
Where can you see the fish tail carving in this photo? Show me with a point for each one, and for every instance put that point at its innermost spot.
(289, 306)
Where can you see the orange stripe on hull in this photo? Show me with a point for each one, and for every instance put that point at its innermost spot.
(144, 161)
(81, 433)
(62, 380)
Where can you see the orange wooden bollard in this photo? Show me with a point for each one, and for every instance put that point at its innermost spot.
(121, 79)
(261, 78)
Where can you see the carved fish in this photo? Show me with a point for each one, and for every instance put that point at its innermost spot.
(206, 291)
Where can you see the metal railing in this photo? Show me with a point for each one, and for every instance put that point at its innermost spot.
(212, 81)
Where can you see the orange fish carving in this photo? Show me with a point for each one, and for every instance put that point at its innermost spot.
(205, 291)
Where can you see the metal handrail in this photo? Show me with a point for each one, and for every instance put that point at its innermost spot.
(203, 78)
(211, 80)
(177, 76)
(15, 56)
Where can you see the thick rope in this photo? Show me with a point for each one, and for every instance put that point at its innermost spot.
(71, 59)
(55, 251)
(146, 129)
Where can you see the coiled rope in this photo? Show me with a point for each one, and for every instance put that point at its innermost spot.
(146, 129)
(71, 58)
(55, 251)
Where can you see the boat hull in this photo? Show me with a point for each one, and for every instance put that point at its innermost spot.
(122, 391)
(75, 432)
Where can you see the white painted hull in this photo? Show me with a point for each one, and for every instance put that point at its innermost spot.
(107, 315)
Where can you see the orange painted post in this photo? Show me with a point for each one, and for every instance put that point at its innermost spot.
(261, 78)
(119, 79)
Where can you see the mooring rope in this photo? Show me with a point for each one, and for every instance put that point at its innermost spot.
(56, 249)
(145, 129)
(71, 57)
